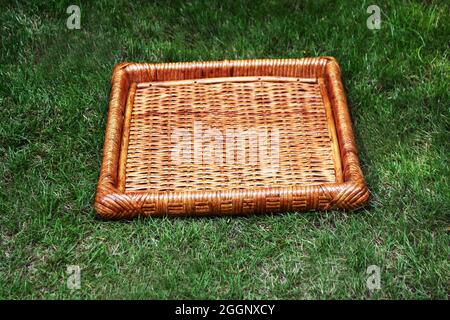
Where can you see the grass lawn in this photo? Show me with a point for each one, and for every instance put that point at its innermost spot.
(54, 97)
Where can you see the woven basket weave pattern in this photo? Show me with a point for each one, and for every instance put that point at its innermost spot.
(300, 102)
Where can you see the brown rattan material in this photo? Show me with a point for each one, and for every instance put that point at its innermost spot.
(228, 137)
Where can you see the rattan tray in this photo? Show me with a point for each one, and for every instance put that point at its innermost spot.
(228, 137)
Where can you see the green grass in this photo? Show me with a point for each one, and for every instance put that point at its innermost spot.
(54, 96)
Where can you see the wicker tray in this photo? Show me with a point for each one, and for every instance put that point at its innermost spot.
(228, 137)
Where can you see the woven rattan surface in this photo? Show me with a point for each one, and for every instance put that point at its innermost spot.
(231, 137)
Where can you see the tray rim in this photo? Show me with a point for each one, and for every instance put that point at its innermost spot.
(112, 202)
